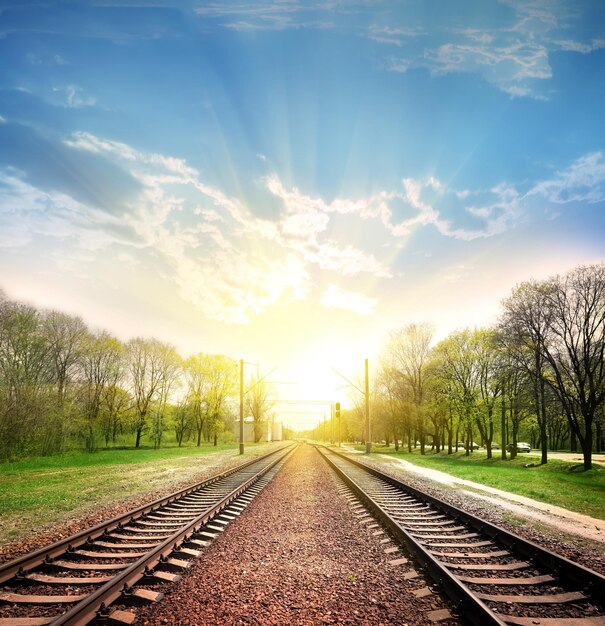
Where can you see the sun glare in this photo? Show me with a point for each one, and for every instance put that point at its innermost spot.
(306, 387)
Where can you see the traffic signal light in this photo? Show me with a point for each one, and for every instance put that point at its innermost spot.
(337, 410)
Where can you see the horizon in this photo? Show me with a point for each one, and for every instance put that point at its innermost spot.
(287, 182)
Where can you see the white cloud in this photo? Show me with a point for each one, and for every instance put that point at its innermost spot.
(513, 57)
(262, 15)
(336, 297)
(396, 36)
(582, 181)
(2, 119)
(233, 265)
(75, 97)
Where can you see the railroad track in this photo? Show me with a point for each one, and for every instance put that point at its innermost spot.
(98, 574)
(493, 576)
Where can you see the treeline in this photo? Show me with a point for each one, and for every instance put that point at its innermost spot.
(65, 386)
(540, 369)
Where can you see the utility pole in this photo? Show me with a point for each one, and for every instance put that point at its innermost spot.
(241, 406)
(367, 395)
(332, 423)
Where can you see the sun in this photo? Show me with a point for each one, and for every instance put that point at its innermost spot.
(306, 387)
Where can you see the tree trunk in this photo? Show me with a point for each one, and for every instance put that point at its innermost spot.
(503, 425)
(543, 428)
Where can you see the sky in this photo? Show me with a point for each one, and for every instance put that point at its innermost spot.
(286, 181)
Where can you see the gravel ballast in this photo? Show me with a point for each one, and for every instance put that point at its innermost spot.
(302, 553)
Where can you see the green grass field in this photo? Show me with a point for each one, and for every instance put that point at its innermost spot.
(558, 482)
(37, 493)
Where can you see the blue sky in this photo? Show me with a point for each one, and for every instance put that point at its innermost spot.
(286, 181)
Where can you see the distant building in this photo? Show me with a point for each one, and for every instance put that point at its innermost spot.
(270, 431)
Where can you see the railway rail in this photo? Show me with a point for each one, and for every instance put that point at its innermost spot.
(493, 576)
(97, 574)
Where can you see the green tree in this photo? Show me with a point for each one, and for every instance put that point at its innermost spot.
(145, 365)
(259, 402)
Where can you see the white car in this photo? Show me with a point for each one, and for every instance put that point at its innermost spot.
(521, 447)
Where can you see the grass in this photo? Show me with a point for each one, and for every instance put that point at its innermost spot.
(559, 483)
(40, 492)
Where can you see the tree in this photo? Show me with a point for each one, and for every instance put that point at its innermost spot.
(170, 368)
(145, 364)
(101, 365)
(575, 351)
(65, 335)
(211, 381)
(459, 373)
(181, 420)
(24, 378)
(485, 343)
(407, 354)
(259, 402)
(526, 326)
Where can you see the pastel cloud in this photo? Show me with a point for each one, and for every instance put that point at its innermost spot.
(336, 297)
(514, 56)
(233, 265)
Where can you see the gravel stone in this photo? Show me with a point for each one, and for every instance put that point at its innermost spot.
(297, 556)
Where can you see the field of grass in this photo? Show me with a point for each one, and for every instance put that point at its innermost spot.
(558, 482)
(37, 493)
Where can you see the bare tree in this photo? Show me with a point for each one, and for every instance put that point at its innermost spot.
(526, 326)
(576, 309)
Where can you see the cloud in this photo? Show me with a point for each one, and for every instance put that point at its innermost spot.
(513, 56)
(276, 16)
(396, 36)
(219, 254)
(74, 97)
(336, 297)
(582, 181)
(55, 59)
(303, 227)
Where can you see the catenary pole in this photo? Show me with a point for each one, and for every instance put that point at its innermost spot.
(241, 406)
(367, 395)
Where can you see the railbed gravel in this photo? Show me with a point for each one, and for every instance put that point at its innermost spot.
(298, 555)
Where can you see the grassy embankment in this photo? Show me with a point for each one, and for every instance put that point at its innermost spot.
(560, 483)
(37, 493)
